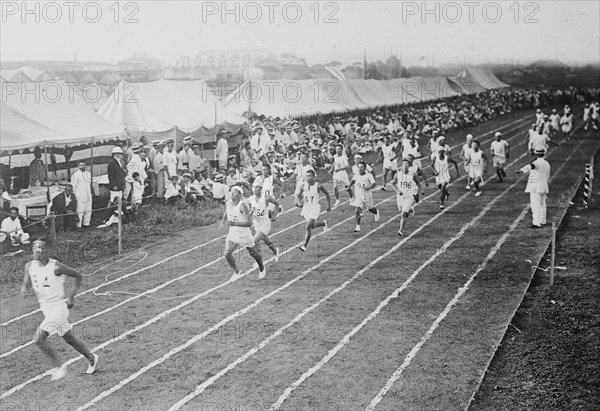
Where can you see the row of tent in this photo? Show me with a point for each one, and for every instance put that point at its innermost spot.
(295, 98)
(56, 114)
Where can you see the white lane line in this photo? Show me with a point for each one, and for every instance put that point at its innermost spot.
(150, 291)
(209, 242)
(413, 352)
(409, 357)
(161, 286)
(165, 313)
(346, 339)
(202, 387)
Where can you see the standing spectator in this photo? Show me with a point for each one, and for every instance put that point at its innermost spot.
(195, 159)
(183, 156)
(170, 157)
(136, 164)
(81, 181)
(222, 150)
(537, 187)
(37, 170)
(116, 174)
(137, 190)
(160, 169)
(11, 228)
(64, 206)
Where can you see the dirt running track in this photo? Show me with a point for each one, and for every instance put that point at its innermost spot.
(360, 321)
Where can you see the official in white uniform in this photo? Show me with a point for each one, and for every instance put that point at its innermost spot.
(81, 182)
(47, 277)
(537, 187)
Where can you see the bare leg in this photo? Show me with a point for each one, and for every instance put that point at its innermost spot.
(358, 217)
(229, 247)
(76, 343)
(256, 255)
(41, 340)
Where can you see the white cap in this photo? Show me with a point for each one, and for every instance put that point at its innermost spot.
(497, 134)
(469, 136)
(116, 150)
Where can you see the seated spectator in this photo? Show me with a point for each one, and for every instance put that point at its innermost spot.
(4, 195)
(220, 191)
(173, 191)
(191, 190)
(64, 206)
(10, 228)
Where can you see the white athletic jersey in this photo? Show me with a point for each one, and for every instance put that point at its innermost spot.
(311, 194)
(363, 181)
(476, 158)
(301, 171)
(465, 151)
(539, 142)
(412, 150)
(586, 113)
(554, 120)
(233, 211)
(267, 188)
(388, 152)
(260, 209)
(442, 168)
(48, 287)
(406, 183)
(339, 162)
(499, 148)
(355, 170)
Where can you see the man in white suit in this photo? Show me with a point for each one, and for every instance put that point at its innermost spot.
(537, 187)
(81, 182)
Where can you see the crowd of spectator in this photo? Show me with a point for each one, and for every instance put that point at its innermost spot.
(158, 172)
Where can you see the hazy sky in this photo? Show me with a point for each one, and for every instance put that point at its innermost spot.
(321, 32)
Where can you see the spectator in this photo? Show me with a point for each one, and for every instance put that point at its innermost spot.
(81, 181)
(137, 190)
(220, 191)
(222, 150)
(160, 169)
(11, 229)
(170, 158)
(173, 191)
(116, 174)
(37, 170)
(195, 159)
(64, 206)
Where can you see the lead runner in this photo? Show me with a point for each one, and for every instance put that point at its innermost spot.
(47, 278)
(311, 209)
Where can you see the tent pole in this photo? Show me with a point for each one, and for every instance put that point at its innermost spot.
(46, 166)
(92, 166)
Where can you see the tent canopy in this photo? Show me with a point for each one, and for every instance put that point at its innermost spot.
(49, 113)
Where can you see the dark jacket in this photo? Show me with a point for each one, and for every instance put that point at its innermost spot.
(59, 204)
(116, 175)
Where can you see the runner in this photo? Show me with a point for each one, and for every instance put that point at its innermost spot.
(442, 175)
(406, 185)
(239, 221)
(47, 278)
(477, 163)
(311, 209)
(365, 182)
(500, 153)
(414, 154)
(464, 155)
(390, 164)
(338, 171)
(271, 187)
(301, 169)
(566, 123)
(261, 220)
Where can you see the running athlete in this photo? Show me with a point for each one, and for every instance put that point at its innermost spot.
(464, 155)
(261, 220)
(500, 153)
(339, 173)
(238, 217)
(566, 123)
(441, 171)
(271, 187)
(390, 164)
(477, 163)
(301, 169)
(311, 209)
(412, 151)
(363, 197)
(47, 278)
(406, 185)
